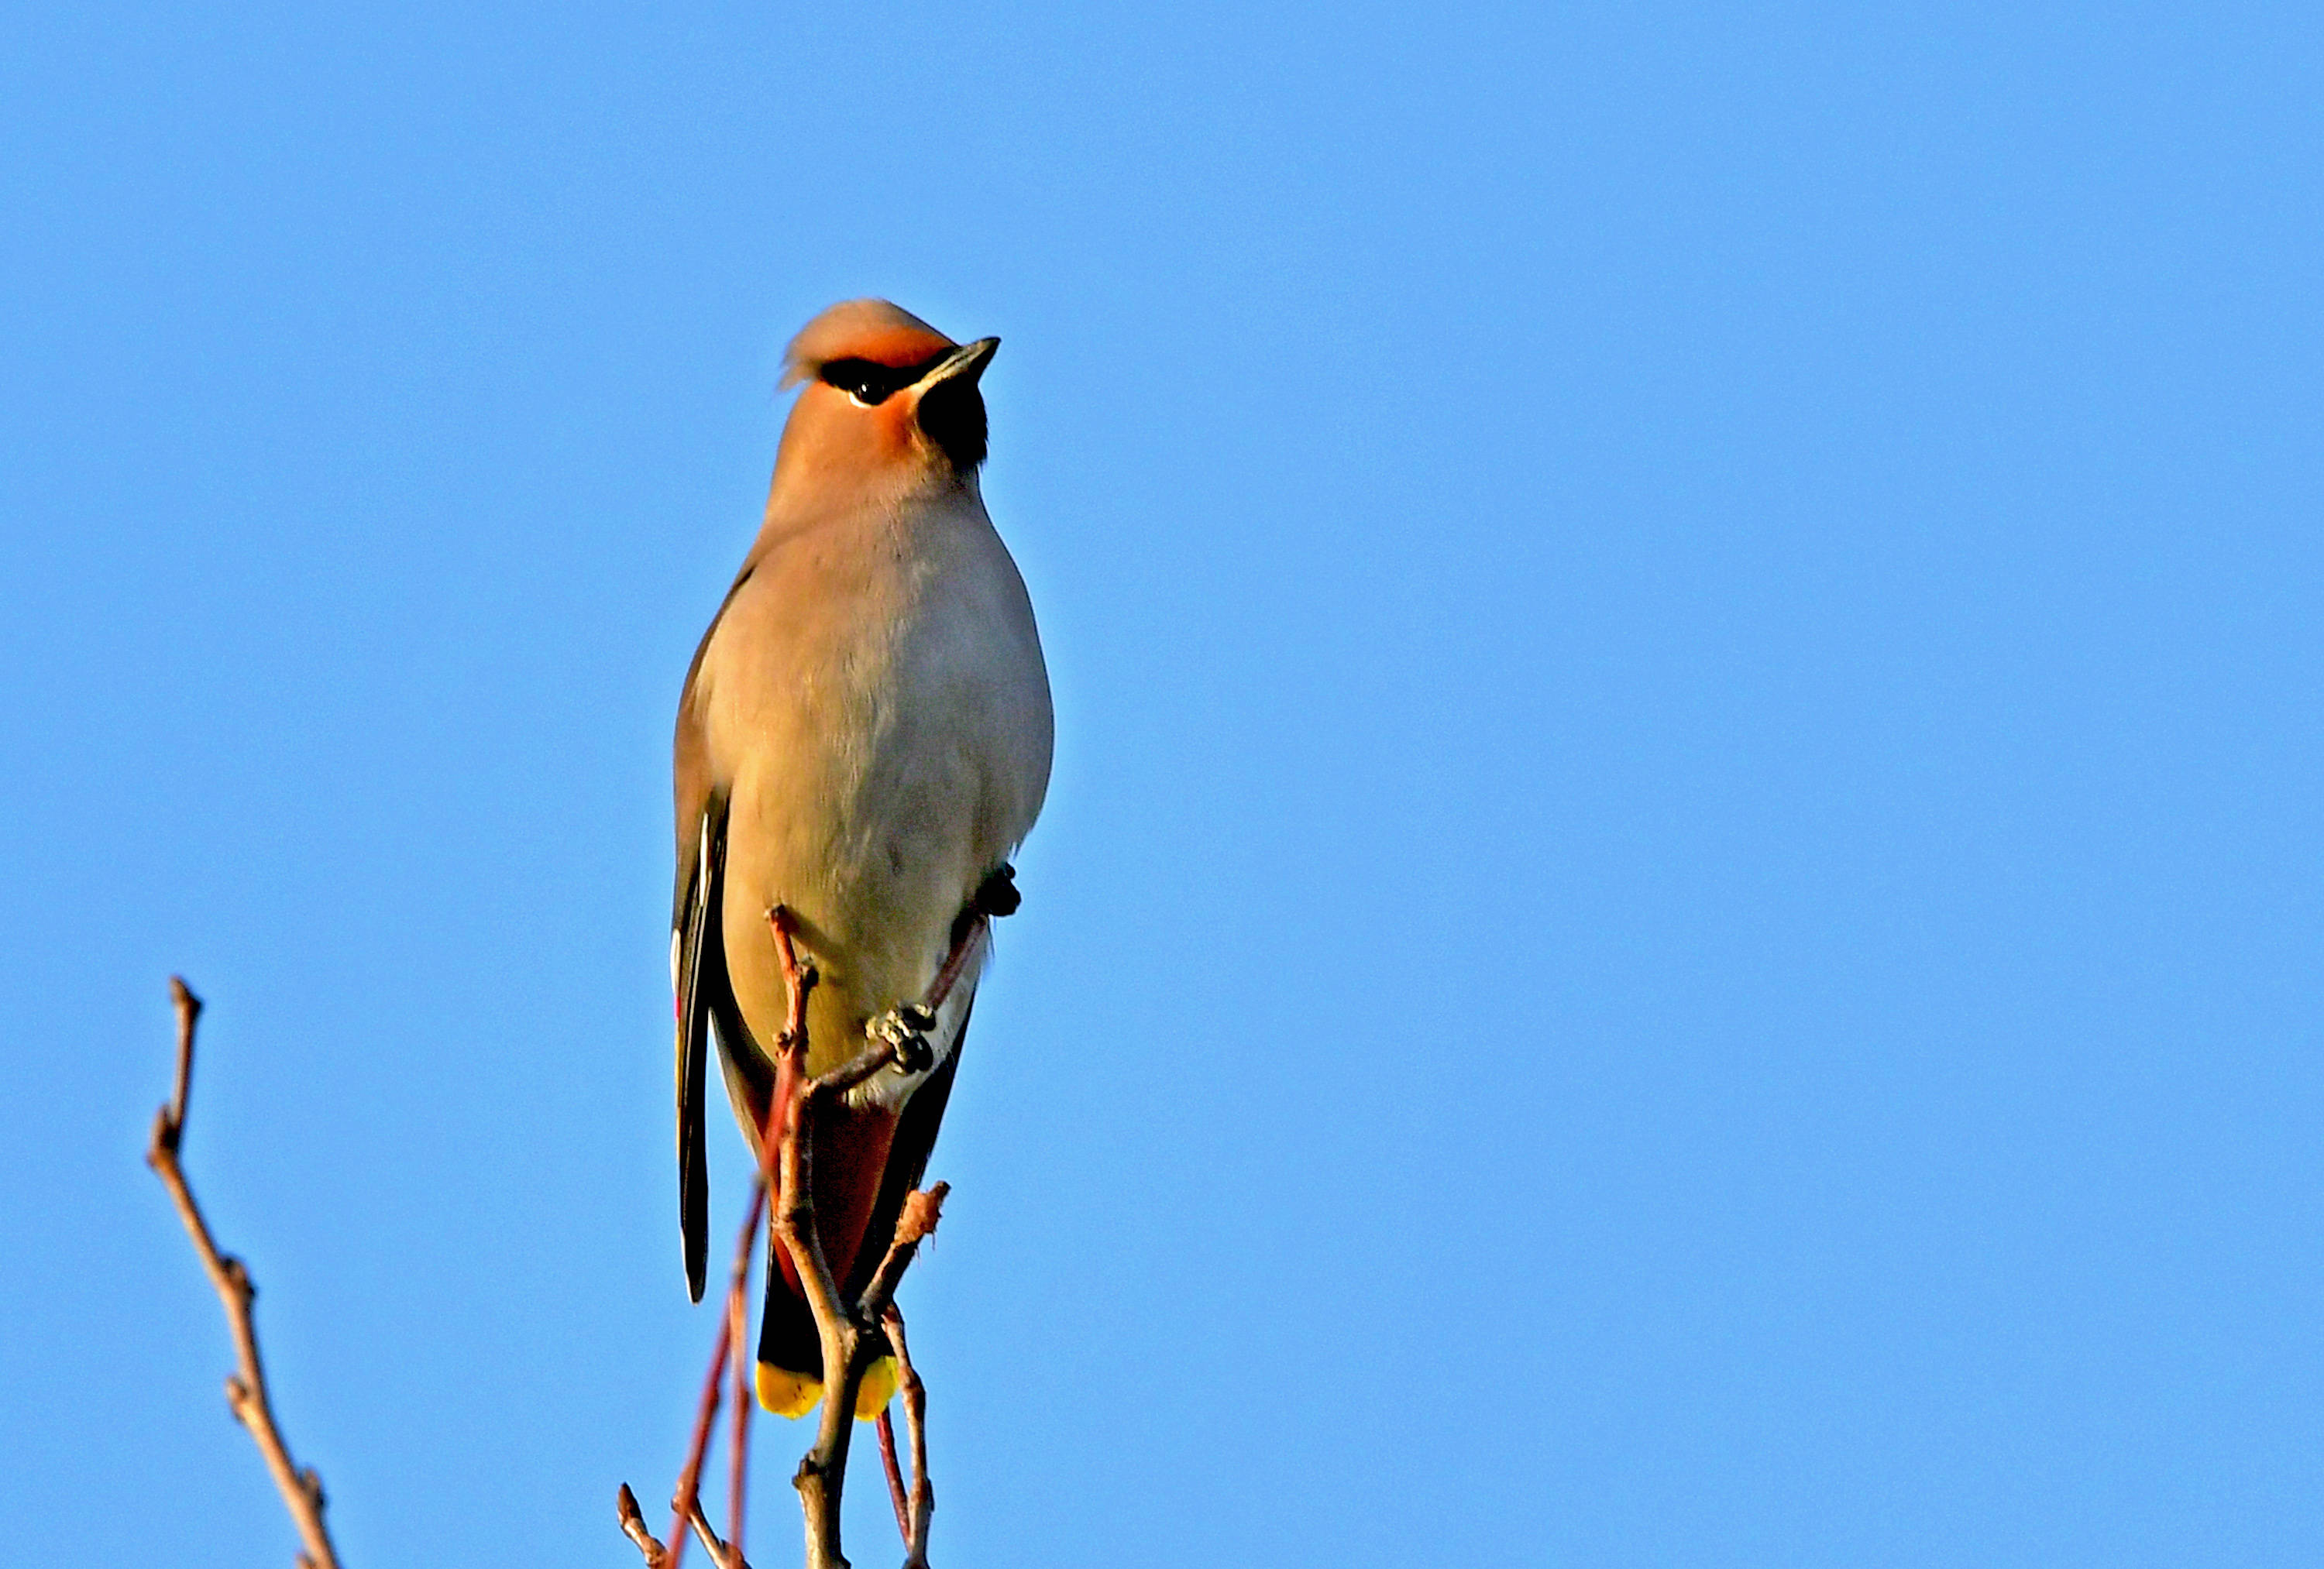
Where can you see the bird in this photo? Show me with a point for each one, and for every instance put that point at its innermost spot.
(863, 740)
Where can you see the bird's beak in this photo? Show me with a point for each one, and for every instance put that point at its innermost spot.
(964, 364)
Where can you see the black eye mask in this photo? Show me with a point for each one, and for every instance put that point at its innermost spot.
(868, 381)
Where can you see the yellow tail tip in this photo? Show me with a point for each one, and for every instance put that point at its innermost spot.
(786, 1394)
(790, 1394)
(878, 1387)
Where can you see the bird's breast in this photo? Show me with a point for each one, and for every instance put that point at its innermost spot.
(886, 706)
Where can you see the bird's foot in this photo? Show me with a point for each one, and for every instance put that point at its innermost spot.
(997, 896)
(903, 1029)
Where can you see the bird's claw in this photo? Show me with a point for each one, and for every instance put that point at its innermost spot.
(997, 896)
(902, 1030)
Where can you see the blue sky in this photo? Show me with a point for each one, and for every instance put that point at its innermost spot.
(1679, 919)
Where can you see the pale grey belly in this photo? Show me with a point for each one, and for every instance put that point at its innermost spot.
(874, 834)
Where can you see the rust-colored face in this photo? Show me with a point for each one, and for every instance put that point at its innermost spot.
(889, 402)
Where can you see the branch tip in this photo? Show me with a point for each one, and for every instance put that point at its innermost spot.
(633, 1527)
(245, 1388)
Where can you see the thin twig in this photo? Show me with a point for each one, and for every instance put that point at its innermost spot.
(706, 1417)
(798, 980)
(915, 1426)
(726, 1554)
(823, 1472)
(189, 1013)
(895, 1498)
(917, 1223)
(633, 1527)
(847, 1330)
(738, 1318)
(689, 1481)
(245, 1392)
(957, 961)
(844, 1327)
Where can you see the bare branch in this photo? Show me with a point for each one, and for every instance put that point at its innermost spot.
(896, 1498)
(798, 980)
(690, 1479)
(724, 1555)
(738, 1317)
(923, 1504)
(850, 1074)
(245, 1392)
(189, 1013)
(913, 1225)
(633, 1527)
(957, 961)
(731, 1340)
(845, 1344)
(822, 1471)
(849, 1332)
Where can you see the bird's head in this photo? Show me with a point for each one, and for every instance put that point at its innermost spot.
(891, 403)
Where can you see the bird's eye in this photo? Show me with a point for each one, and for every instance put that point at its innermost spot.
(868, 383)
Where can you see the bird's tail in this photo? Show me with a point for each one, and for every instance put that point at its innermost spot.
(790, 1374)
(875, 1158)
(852, 1144)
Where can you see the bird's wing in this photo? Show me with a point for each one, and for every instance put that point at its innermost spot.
(697, 947)
(698, 953)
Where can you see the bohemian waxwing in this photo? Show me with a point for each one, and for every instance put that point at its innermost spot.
(863, 738)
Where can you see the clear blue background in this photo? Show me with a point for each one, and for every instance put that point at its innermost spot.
(1679, 920)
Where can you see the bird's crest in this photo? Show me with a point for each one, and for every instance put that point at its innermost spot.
(862, 329)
